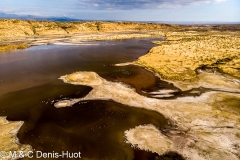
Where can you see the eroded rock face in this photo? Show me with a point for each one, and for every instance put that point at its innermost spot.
(183, 53)
(206, 128)
(10, 28)
(8, 138)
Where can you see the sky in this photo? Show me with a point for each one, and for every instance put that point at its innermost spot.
(128, 10)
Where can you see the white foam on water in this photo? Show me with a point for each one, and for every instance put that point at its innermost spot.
(124, 64)
(75, 44)
(162, 96)
(65, 103)
(164, 91)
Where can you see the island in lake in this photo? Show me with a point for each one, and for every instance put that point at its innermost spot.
(120, 90)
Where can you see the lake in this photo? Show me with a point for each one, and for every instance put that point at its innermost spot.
(30, 86)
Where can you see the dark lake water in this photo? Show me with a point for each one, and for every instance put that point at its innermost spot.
(29, 86)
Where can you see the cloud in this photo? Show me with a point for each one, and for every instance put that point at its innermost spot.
(140, 4)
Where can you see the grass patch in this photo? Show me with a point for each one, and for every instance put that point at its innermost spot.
(9, 47)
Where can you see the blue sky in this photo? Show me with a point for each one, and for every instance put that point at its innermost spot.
(132, 10)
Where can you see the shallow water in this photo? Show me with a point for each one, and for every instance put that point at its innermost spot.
(30, 86)
(44, 64)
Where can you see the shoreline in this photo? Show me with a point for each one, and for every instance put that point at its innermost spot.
(14, 33)
(9, 140)
(179, 58)
(78, 39)
(20, 34)
(202, 121)
(207, 127)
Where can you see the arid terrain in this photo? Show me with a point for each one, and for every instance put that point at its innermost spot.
(20, 34)
(184, 53)
(208, 56)
(205, 126)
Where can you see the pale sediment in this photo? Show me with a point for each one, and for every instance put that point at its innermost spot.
(210, 80)
(77, 39)
(124, 64)
(207, 127)
(148, 137)
(8, 139)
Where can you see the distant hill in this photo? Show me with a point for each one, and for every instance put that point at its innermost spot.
(31, 17)
(67, 19)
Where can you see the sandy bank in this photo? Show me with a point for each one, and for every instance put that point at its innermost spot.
(179, 57)
(8, 138)
(146, 137)
(15, 46)
(76, 39)
(206, 126)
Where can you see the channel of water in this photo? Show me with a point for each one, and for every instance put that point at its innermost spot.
(30, 86)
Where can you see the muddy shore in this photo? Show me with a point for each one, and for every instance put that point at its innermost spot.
(206, 126)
